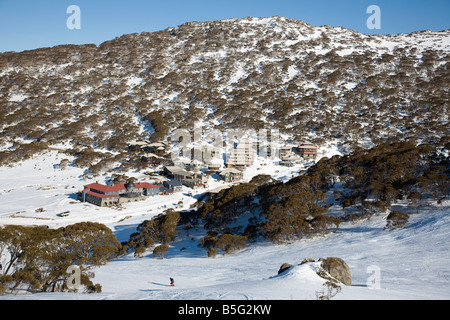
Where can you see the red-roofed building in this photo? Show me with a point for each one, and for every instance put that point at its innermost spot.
(308, 150)
(107, 195)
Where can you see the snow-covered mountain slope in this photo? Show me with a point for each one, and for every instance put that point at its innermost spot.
(408, 263)
(412, 265)
(315, 83)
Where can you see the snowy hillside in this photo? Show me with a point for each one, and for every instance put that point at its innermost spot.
(412, 262)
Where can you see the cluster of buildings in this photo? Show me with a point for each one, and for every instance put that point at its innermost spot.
(292, 155)
(241, 156)
(187, 173)
(244, 154)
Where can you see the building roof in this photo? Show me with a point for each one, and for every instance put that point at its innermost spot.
(182, 160)
(156, 144)
(307, 145)
(105, 188)
(146, 185)
(173, 168)
(173, 183)
(197, 162)
(100, 195)
(181, 173)
(118, 187)
(152, 155)
(130, 185)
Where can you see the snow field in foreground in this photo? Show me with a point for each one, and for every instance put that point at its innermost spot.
(410, 263)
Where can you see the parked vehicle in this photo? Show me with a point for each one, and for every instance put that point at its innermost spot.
(64, 214)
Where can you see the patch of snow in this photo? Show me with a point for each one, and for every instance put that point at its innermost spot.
(133, 81)
(17, 97)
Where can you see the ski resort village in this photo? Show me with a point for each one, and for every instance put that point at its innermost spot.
(166, 179)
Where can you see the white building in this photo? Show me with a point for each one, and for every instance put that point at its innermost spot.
(243, 155)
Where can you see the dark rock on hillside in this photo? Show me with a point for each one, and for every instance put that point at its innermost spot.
(338, 269)
(285, 266)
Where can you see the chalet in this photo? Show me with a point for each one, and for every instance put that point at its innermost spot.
(195, 181)
(291, 160)
(147, 146)
(182, 163)
(213, 167)
(108, 195)
(189, 179)
(155, 147)
(187, 164)
(165, 191)
(170, 171)
(181, 175)
(174, 186)
(288, 156)
(195, 165)
(138, 145)
(308, 150)
(231, 175)
(285, 151)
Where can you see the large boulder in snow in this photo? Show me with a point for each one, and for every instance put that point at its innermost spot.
(285, 266)
(338, 269)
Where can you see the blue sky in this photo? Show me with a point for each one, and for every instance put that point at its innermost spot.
(33, 24)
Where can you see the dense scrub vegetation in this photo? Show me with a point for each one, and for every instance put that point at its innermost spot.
(37, 259)
(157, 233)
(321, 82)
(388, 172)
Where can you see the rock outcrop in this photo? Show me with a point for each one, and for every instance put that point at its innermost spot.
(338, 269)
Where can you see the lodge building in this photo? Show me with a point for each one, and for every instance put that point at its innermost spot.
(108, 195)
(308, 150)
